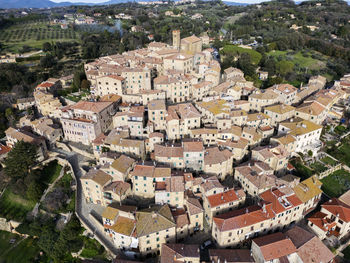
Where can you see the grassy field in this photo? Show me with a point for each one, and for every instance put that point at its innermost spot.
(299, 59)
(15, 207)
(236, 50)
(318, 167)
(93, 249)
(336, 183)
(342, 153)
(34, 34)
(22, 251)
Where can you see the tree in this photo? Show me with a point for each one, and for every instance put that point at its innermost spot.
(20, 159)
(48, 61)
(284, 67)
(34, 191)
(47, 46)
(85, 84)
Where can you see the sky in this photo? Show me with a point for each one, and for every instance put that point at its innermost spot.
(101, 1)
(80, 1)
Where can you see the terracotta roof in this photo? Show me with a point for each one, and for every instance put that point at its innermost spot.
(338, 208)
(157, 105)
(230, 255)
(275, 246)
(180, 217)
(315, 251)
(123, 163)
(97, 176)
(177, 252)
(153, 220)
(193, 206)
(215, 156)
(324, 223)
(117, 187)
(168, 151)
(191, 39)
(195, 146)
(345, 198)
(244, 217)
(91, 106)
(280, 201)
(223, 198)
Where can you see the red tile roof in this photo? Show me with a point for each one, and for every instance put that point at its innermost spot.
(337, 207)
(222, 198)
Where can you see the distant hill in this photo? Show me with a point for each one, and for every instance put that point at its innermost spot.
(48, 3)
(234, 3)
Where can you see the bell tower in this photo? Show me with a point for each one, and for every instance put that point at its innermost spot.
(176, 39)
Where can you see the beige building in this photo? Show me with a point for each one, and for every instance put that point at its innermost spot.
(119, 168)
(93, 183)
(233, 74)
(258, 120)
(171, 191)
(181, 119)
(116, 191)
(332, 221)
(222, 202)
(275, 156)
(176, 87)
(180, 62)
(277, 210)
(172, 155)
(136, 79)
(85, 120)
(312, 111)
(274, 247)
(191, 45)
(193, 152)
(309, 192)
(263, 99)
(43, 127)
(255, 177)
(287, 93)
(120, 225)
(180, 253)
(218, 162)
(111, 84)
(195, 214)
(279, 113)
(47, 104)
(118, 142)
(306, 133)
(157, 113)
(155, 226)
(25, 103)
(145, 178)
(132, 120)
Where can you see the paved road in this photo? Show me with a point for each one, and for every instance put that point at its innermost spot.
(82, 208)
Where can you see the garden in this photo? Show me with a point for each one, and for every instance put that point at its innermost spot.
(15, 248)
(336, 183)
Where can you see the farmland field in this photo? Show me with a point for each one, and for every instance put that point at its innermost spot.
(34, 34)
(301, 60)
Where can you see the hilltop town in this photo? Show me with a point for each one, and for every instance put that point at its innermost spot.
(180, 160)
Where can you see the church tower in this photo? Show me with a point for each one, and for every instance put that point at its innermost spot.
(176, 39)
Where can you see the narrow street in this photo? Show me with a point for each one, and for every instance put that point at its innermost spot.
(82, 208)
